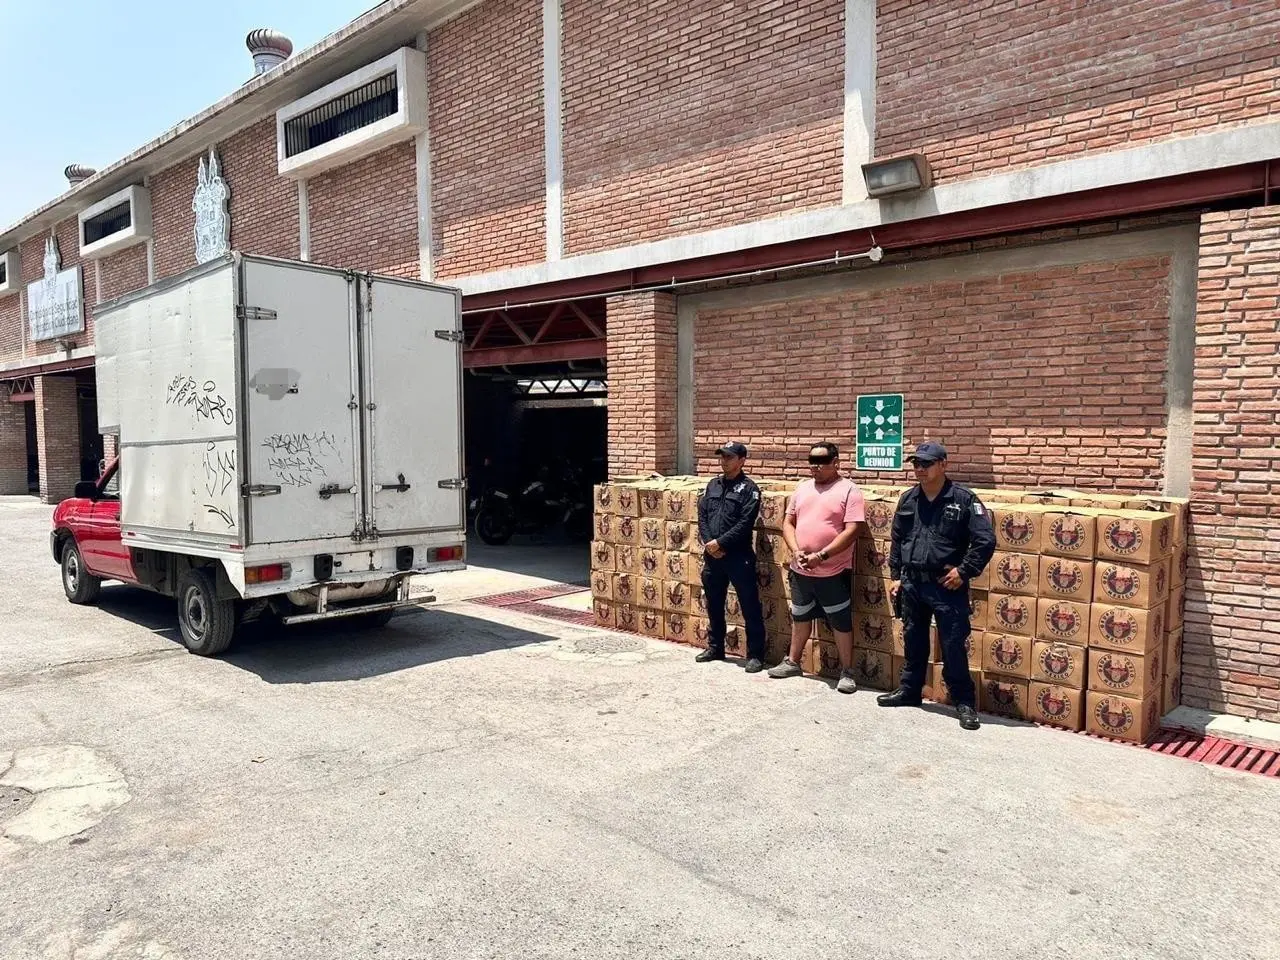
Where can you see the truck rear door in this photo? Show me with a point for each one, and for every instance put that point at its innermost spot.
(300, 386)
(413, 386)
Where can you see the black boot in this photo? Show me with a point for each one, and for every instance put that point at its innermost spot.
(968, 717)
(902, 697)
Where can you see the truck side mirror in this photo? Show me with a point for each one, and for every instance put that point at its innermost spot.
(86, 490)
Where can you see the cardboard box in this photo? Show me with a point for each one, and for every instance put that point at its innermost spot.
(983, 580)
(1069, 533)
(773, 510)
(1178, 507)
(675, 566)
(649, 593)
(1010, 613)
(1178, 571)
(1004, 697)
(676, 596)
(1007, 654)
(1056, 705)
(732, 608)
(697, 601)
(1173, 649)
(652, 624)
(628, 617)
(776, 614)
(874, 668)
(679, 627)
(1064, 621)
(605, 527)
(693, 539)
(735, 642)
(1123, 718)
(652, 533)
(603, 499)
(1135, 537)
(1064, 578)
(626, 587)
(1015, 573)
(602, 584)
(1175, 608)
(1127, 674)
(627, 530)
(879, 514)
(771, 579)
(872, 631)
(603, 556)
(973, 645)
(679, 535)
(772, 548)
(979, 609)
(698, 627)
(827, 659)
(1127, 629)
(1059, 664)
(681, 503)
(626, 501)
(650, 561)
(1171, 691)
(871, 595)
(1017, 529)
(1131, 585)
(871, 558)
(604, 611)
(626, 558)
(938, 684)
(697, 562)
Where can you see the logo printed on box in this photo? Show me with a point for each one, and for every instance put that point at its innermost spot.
(1117, 671)
(603, 553)
(626, 499)
(769, 507)
(1114, 716)
(627, 618)
(677, 535)
(1002, 694)
(879, 518)
(1123, 536)
(649, 561)
(1160, 579)
(600, 581)
(676, 594)
(1120, 583)
(1063, 621)
(604, 497)
(874, 556)
(651, 501)
(1013, 571)
(1007, 652)
(1017, 529)
(872, 633)
(649, 591)
(1067, 533)
(1052, 705)
(766, 576)
(626, 556)
(675, 624)
(649, 619)
(870, 667)
(1057, 662)
(873, 592)
(650, 531)
(1165, 534)
(1065, 577)
(675, 565)
(624, 587)
(1118, 625)
(626, 528)
(1013, 612)
(604, 525)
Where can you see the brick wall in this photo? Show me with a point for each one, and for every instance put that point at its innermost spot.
(11, 327)
(1231, 657)
(263, 205)
(174, 245)
(120, 273)
(697, 114)
(58, 430)
(13, 446)
(1018, 372)
(488, 167)
(364, 215)
(983, 86)
(642, 383)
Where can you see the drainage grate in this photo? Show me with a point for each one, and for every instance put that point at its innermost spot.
(583, 617)
(530, 596)
(1214, 751)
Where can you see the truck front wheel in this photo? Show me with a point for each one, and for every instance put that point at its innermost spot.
(208, 623)
(80, 585)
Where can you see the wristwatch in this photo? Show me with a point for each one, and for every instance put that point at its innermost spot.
(822, 555)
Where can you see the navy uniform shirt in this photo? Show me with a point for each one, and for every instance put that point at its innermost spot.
(952, 530)
(727, 513)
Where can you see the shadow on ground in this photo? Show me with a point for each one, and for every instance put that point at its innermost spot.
(559, 562)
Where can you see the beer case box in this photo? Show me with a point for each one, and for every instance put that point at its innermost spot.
(679, 627)
(627, 530)
(679, 535)
(874, 668)
(652, 623)
(1128, 629)
(873, 631)
(697, 562)
(1134, 536)
(697, 601)
(604, 556)
(651, 533)
(979, 609)
(973, 645)
(1174, 607)
(772, 548)
(675, 566)
(1173, 649)
(1062, 621)
(1132, 585)
(652, 500)
(1056, 705)
(626, 500)
(879, 516)
(605, 612)
(1004, 696)
(941, 693)
(1171, 691)
(1069, 533)
(1015, 573)
(698, 627)
(1065, 578)
(1011, 613)
(681, 503)
(602, 584)
(773, 509)
(776, 614)
(1059, 664)
(649, 561)
(628, 617)
(1120, 717)
(626, 558)
(983, 580)
(1178, 507)
(871, 558)
(826, 659)
(605, 527)
(1099, 501)
(732, 608)
(1128, 674)
(677, 597)
(1178, 568)
(871, 595)
(1017, 529)
(1007, 654)
(735, 642)
(771, 579)
(603, 500)
(649, 593)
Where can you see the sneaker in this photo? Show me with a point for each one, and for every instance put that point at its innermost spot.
(968, 717)
(848, 683)
(753, 666)
(707, 655)
(787, 668)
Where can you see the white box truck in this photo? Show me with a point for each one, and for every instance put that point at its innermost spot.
(290, 441)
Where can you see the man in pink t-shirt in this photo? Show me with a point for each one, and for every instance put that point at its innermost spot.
(820, 529)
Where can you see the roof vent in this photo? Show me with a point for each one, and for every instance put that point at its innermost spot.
(270, 48)
(78, 173)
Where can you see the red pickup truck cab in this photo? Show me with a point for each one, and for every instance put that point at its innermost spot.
(86, 538)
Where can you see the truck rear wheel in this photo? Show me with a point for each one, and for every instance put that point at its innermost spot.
(208, 623)
(80, 585)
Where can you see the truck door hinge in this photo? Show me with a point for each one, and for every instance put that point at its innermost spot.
(456, 483)
(254, 313)
(454, 336)
(259, 490)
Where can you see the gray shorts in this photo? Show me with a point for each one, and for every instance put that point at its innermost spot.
(830, 598)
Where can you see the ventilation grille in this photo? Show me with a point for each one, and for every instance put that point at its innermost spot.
(119, 217)
(376, 100)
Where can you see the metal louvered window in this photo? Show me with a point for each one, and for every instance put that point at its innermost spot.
(4, 271)
(376, 100)
(119, 217)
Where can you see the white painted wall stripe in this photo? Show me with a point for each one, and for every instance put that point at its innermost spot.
(551, 25)
(304, 222)
(859, 95)
(422, 175)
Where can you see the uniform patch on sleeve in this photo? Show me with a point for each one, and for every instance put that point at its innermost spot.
(977, 509)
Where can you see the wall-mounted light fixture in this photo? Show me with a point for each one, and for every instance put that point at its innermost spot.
(907, 174)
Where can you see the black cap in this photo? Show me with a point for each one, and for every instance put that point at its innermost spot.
(930, 451)
(733, 448)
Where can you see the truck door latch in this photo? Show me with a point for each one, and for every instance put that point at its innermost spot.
(259, 490)
(400, 487)
(454, 336)
(329, 489)
(455, 483)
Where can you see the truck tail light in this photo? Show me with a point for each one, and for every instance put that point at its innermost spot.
(445, 554)
(268, 573)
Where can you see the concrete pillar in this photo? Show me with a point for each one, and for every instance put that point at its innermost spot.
(642, 383)
(13, 446)
(58, 436)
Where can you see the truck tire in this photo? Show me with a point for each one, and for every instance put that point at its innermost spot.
(208, 624)
(80, 585)
(372, 621)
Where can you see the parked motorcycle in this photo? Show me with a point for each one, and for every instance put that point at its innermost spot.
(540, 506)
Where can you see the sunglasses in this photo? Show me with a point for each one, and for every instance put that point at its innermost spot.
(820, 461)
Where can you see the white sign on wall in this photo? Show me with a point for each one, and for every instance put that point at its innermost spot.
(55, 307)
(209, 204)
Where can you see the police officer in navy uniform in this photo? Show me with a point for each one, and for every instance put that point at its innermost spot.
(942, 539)
(726, 521)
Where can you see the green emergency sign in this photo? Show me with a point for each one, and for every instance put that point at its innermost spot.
(879, 431)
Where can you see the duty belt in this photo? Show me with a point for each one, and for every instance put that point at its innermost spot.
(922, 576)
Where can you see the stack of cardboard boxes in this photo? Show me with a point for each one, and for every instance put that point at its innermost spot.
(1077, 620)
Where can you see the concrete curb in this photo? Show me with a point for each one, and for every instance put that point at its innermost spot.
(1259, 733)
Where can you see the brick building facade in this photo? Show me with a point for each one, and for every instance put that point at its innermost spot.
(1087, 294)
